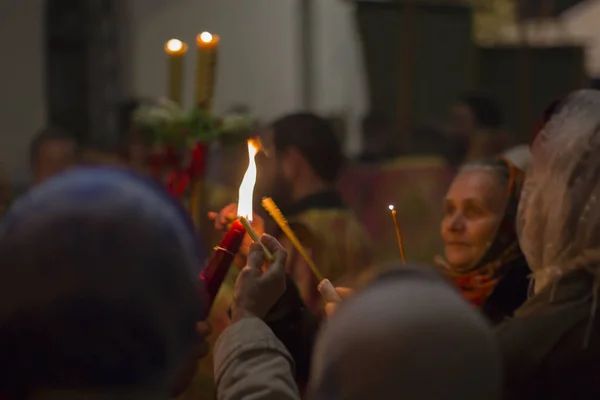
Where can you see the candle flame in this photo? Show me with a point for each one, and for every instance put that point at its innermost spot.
(175, 46)
(391, 207)
(246, 193)
(206, 37)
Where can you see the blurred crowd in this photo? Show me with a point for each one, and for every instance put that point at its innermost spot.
(494, 294)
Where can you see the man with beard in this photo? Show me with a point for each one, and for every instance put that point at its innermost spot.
(299, 168)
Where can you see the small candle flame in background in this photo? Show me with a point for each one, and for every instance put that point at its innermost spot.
(246, 193)
(398, 232)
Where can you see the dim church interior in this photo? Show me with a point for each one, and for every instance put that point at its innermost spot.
(84, 42)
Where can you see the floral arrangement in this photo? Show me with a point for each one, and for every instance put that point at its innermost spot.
(178, 140)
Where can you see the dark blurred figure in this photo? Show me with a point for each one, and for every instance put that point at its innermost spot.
(131, 142)
(99, 295)
(428, 140)
(103, 151)
(52, 150)
(475, 130)
(378, 139)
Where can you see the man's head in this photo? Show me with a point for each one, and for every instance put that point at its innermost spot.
(474, 111)
(304, 156)
(52, 151)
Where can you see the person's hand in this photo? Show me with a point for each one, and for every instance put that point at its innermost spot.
(256, 292)
(227, 215)
(224, 217)
(332, 306)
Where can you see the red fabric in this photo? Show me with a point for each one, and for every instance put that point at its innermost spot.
(179, 178)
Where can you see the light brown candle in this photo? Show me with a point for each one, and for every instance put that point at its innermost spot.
(175, 50)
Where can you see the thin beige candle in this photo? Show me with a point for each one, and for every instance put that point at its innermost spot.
(398, 233)
(256, 239)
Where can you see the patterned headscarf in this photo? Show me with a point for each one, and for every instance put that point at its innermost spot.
(559, 218)
(503, 253)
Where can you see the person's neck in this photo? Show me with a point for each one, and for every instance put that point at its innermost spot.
(301, 191)
(89, 394)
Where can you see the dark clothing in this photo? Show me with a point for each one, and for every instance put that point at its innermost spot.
(551, 348)
(509, 294)
(326, 200)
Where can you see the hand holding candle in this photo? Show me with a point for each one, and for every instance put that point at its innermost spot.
(218, 266)
(256, 238)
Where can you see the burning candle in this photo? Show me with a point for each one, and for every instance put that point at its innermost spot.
(398, 233)
(207, 46)
(218, 266)
(175, 50)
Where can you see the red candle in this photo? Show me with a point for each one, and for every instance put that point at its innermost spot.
(216, 270)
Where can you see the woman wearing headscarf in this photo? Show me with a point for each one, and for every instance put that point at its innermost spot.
(408, 335)
(551, 348)
(482, 254)
(100, 296)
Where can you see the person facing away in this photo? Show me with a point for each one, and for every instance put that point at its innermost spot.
(482, 253)
(475, 129)
(100, 299)
(52, 151)
(299, 167)
(407, 335)
(551, 348)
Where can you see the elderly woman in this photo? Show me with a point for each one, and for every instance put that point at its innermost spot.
(551, 347)
(99, 295)
(482, 255)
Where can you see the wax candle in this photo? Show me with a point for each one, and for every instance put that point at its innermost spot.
(175, 50)
(216, 270)
(398, 233)
(207, 47)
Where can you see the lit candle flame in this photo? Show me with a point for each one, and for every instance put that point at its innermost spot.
(175, 46)
(206, 37)
(246, 193)
(391, 207)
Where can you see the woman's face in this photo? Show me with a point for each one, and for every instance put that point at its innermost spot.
(473, 209)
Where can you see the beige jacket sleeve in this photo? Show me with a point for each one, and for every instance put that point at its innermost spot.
(252, 364)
